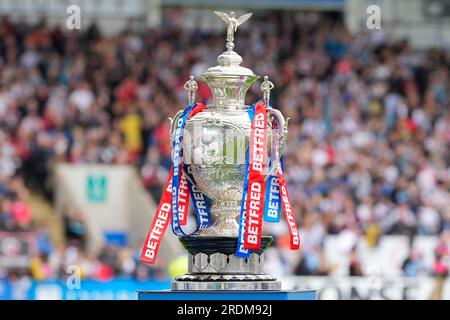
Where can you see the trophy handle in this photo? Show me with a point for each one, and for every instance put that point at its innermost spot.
(173, 123)
(283, 124)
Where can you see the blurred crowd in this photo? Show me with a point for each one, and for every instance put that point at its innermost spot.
(368, 147)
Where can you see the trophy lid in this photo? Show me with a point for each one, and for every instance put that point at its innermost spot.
(229, 81)
(228, 65)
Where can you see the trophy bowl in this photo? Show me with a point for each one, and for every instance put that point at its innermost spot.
(216, 155)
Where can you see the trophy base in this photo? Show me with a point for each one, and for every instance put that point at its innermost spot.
(212, 265)
(250, 285)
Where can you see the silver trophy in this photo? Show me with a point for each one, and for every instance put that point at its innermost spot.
(214, 147)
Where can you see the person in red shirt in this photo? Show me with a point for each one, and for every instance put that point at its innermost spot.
(21, 214)
(441, 265)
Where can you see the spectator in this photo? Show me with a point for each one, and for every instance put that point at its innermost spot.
(75, 229)
(413, 266)
(441, 266)
(355, 268)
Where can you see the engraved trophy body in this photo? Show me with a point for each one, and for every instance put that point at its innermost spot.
(214, 148)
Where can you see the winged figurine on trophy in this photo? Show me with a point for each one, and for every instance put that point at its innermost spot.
(232, 23)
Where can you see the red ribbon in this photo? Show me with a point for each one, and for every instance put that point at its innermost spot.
(159, 225)
(294, 236)
(199, 107)
(256, 179)
(287, 208)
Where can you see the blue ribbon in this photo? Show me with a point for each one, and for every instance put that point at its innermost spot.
(272, 207)
(200, 202)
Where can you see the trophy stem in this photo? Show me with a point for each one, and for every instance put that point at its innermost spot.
(224, 214)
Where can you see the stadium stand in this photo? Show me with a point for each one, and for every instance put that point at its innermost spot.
(368, 149)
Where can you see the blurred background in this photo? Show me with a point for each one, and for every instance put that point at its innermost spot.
(84, 140)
